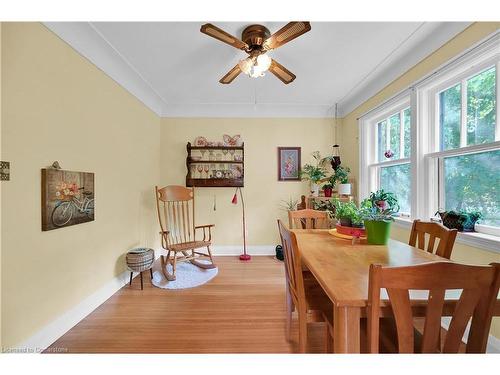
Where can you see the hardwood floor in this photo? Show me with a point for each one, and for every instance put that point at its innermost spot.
(242, 310)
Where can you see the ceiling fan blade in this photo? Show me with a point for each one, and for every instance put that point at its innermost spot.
(221, 35)
(231, 75)
(287, 33)
(281, 72)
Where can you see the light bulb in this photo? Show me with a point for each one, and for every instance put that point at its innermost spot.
(264, 62)
(256, 71)
(246, 65)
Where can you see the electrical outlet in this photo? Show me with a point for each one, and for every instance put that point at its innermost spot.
(4, 171)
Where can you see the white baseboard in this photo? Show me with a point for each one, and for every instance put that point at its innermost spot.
(238, 249)
(54, 330)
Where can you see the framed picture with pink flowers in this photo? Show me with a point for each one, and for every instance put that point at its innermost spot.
(288, 163)
(67, 198)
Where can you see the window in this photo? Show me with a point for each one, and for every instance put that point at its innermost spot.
(467, 162)
(397, 179)
(390, 161)
(472, 183)
(436, 145)
(473, 121)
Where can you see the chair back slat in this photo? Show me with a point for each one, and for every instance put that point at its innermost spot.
(479, 285)
(308, 219)
(402, 315)
(293, 265)
(432, 326)
(445, 238)
(461, 316)
(175, 206)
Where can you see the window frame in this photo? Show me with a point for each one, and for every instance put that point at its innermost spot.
(426, 156)
(370, 165)
(434, 157)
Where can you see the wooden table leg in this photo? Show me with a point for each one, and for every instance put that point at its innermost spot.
(346, 329)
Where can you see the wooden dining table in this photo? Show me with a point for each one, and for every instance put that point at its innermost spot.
(341, 268)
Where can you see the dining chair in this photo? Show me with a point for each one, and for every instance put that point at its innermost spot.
(479, 286)
(308, 219)
(306, 294)
(175, 207)
(434, 231)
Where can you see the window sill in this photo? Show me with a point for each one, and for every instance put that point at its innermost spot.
(480, 240)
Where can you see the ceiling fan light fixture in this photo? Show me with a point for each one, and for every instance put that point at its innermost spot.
(264, 62)
(256, 41)
(246, 65)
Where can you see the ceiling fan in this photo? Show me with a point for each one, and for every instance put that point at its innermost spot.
(256, 40)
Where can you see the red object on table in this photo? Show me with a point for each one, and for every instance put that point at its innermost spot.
(351, 231)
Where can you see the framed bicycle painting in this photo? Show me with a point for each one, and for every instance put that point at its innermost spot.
(67, 198)
(288, 163)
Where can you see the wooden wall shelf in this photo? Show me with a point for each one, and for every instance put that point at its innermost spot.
(221, 166)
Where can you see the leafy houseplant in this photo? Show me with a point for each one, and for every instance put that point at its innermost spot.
(328, 189)
(462, 220)
(328, 206)
(340, 177)
(314, 173)
(289, 205)
(384, 200)
(345, 212)
(378, 217)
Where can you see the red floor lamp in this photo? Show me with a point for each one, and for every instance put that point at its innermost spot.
(244, 256)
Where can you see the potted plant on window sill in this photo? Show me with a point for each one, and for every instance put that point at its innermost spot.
(379, 217)
(463, 221)
(314, 173)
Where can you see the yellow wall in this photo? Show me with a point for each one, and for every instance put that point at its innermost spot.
(58, 106)
(262, 190)
(349, 129)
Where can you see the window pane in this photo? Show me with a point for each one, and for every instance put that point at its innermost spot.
(407, 132)
(382, 139)
(472, 183)
(395, 134)
(481, 103)
(396, 179)
(449, 117)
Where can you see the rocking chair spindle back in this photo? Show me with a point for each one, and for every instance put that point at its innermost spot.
(175, 206)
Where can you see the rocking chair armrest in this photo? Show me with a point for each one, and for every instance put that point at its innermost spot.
(164, 238)
(204, 226)
(209, 226)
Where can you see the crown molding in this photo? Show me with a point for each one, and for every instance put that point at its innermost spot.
(90, 44)
(250, 110)
(390, 72)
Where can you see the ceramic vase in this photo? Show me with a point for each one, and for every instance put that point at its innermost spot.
(344, 189)
(314, 189)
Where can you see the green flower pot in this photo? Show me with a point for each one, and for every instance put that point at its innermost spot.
(377, 232)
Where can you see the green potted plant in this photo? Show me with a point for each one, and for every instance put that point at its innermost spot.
(289, 205)
(345, 212)
(462, 220)
(358, 218)
(384, 200)
(341, 176)
(314, 173)
(379, 216)
(328, 189)
(327, 205)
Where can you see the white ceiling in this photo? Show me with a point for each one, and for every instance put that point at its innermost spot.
(174, 69)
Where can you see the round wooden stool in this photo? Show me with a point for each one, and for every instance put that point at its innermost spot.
(139, 260)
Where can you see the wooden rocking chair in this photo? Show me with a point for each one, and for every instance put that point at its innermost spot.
(175, 206)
